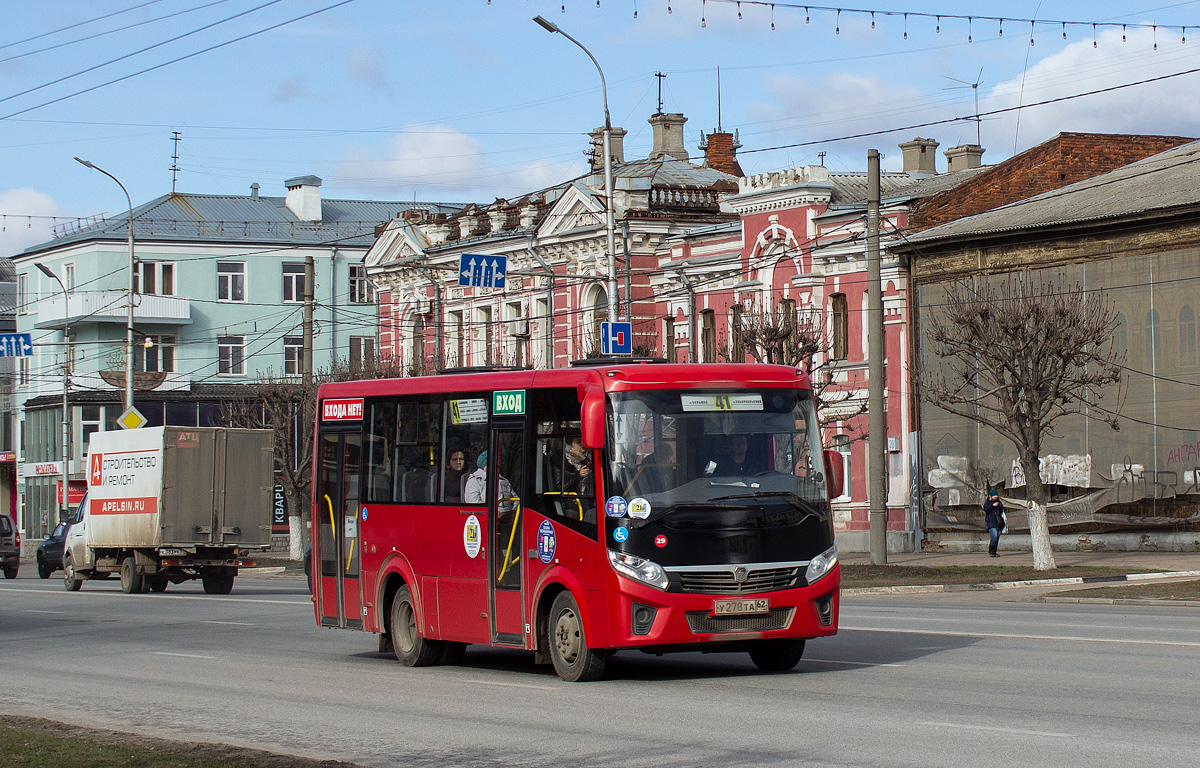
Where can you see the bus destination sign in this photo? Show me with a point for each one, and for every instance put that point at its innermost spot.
(508, 403)
(345, 409)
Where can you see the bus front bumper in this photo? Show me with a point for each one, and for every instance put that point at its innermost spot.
(649, 617)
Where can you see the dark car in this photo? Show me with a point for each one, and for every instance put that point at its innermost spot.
(10, 547)
(50, 551)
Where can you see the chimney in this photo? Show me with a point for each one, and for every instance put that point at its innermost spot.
(919, 155)
(468, 220)
(720, 152)
(616, 145)
(668, 136)
(497, 215)
(304, 197)
(254, 191)
(963, 157)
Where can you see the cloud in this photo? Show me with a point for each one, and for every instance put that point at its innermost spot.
(367, 66)
(1165, 107)
(441, 163)
(19, 231)
(292, 90)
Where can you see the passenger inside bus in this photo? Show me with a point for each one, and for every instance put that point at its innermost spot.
(452, 477)
(658, 469)
(737, 459)
(475, 491)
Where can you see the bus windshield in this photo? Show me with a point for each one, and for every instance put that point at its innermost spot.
(719, 458)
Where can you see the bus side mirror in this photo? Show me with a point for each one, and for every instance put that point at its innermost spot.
(835, 472)
(591, 399)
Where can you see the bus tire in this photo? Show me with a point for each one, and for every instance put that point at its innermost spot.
(573, 660)
(131, 580)
(776, 655)
(410, 648)
(71, 580)
(450, 652)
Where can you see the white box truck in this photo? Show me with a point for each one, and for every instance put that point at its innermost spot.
(169, 504)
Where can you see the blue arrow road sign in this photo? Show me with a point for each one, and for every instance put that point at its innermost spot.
(482, 270)
(15, 345)
(616, 338)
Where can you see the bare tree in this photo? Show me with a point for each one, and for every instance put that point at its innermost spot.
(1019, 353)
(287, 407)
(799, 338)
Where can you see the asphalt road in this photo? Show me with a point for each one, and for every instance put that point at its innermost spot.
(907, 682)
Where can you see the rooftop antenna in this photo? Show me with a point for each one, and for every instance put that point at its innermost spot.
(719, 99)
(176, 137)
(821, 155)
(975, 88)
(660, 76)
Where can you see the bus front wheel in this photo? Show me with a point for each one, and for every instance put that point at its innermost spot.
(411, 649)
(776, 655)
(573, 660)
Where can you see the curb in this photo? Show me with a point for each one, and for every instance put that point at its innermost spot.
(1116, 601)
(925, 588)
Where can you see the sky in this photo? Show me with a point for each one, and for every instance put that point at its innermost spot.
(469, 100)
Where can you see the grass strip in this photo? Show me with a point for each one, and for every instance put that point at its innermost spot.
(1173, 590)
(32, 742)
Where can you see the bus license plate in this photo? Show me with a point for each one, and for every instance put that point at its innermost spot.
(741, 607)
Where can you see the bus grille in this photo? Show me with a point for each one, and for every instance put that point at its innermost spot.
(723, 582)
(703, 624)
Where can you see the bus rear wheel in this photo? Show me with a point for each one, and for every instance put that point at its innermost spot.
(776, 655)
(573, 660)
(410, 648)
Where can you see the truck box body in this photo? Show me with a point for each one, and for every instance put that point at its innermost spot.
(180, 487)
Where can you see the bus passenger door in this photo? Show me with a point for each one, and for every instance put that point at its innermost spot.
(337, 530)
(506, 483)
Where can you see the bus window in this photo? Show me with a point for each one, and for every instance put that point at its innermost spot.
(464, 432)
(564, 477)
(418, 449)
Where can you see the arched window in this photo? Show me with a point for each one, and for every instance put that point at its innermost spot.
(1187, 337)
(1120, 335)
(839, 333)
(599, 315)
(1153, 338)
(418, 340)
(708, 336)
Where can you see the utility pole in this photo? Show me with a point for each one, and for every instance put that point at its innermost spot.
(306, 356)
(877, 437)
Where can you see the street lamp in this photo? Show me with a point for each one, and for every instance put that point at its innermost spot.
(608, 173)
(129, 316)
(66, 417)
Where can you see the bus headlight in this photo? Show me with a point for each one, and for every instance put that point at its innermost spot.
(820, 566)
(639, 569)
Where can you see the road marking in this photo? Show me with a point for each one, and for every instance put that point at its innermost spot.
(114, 593)
(852, 663)
(515, 685)
(1014, 636)
(996, 729)
(234, 623)
(31, 610)
(184, 655)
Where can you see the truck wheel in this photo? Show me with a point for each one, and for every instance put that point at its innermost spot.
(573, 660)
(411, 649)
(776, 655)
(159, 583)
(71, 580)
(217, 582)
(131, 580)
(44, 570)
(10, 572)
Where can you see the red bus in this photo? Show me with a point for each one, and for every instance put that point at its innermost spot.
(577, 512)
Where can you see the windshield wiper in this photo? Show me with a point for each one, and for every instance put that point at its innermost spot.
(791, 497)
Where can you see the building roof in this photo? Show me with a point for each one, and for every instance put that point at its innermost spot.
(184, 217)
(851, 188)
(1162, 182)
(8, 273)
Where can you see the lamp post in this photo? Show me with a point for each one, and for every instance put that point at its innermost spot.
(66, 417)
(129, 315)
(608, 172)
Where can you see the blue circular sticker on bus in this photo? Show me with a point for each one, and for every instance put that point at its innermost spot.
(620, 533)
(546, 543)
(364, 514)
(616, 506)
